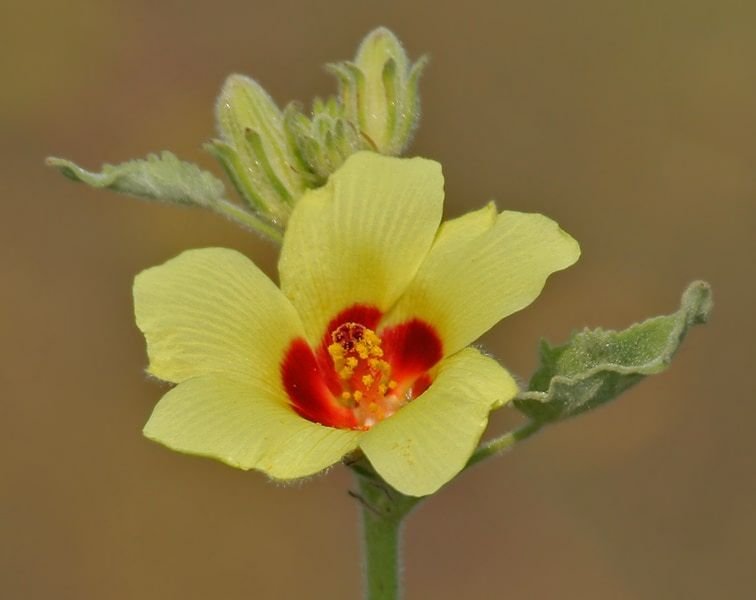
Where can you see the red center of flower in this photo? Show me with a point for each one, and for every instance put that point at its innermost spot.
(360, 374)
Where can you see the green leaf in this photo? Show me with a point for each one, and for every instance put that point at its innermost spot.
(164, 178)
(595, 366)
(167, 179)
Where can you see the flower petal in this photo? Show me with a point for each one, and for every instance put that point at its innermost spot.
(428, 442)
(213, 311)
(245, 426)
(361, 237)
(481, 268)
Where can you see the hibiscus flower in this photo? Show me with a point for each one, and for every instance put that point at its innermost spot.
(366, 344)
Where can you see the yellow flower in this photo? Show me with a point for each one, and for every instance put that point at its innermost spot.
(366, 343)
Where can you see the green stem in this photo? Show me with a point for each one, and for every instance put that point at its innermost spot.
(383, 511)
(503, 442)
(381, 552)
(245, 218)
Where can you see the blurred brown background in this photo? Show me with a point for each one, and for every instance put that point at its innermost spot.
(632, 124)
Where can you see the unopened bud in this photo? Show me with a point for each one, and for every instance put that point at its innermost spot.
(379, 91)
(253, 148)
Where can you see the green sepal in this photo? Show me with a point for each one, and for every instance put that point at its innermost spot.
(595, 366)
(162, 177)
(307, 151)
(231, 162)
(255, 141)
(410, 116)
(304, 147)
(351, 89)
(389, 78)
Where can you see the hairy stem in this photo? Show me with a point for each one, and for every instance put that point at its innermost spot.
(383, 511)
(503, 442)
(242, 217)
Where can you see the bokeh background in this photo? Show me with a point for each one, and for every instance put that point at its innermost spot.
(633, 124)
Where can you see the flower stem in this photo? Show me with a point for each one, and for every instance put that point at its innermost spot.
(243, 217)
(503, 442)
(382, 539)
(383, 511)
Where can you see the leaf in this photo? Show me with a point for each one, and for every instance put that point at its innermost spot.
(595, 366)
(164, 178)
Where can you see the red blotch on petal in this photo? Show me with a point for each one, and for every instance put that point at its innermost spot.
(308, 389)
(411, 349)
(421, 384)
(315, 389)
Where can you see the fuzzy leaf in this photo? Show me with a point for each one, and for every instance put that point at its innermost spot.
(595, 366)
(164, 178)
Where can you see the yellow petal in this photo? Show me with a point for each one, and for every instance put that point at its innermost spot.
(428, 442)
(360, 238)
(481, 268)
(245, 426)
(213, 311)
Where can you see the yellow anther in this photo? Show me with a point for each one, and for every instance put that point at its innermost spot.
(358, 361)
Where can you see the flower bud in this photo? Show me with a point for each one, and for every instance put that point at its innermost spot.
(253, 148)
(379, 91)
(322, 143)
